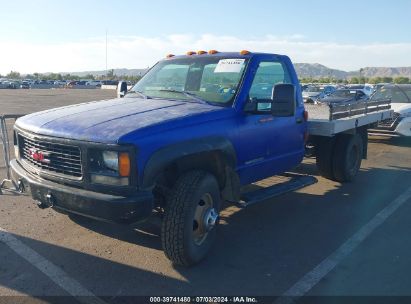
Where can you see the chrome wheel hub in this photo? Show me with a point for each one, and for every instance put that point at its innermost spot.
(205, 218)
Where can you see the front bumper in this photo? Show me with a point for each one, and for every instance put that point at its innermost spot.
(96, 205)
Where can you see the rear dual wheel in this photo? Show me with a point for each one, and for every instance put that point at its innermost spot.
(340, 159)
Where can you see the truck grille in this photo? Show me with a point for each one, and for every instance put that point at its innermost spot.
(56, 159)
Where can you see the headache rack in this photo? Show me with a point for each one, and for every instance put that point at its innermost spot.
(334, 118)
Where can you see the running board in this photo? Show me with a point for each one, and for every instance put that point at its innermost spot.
(296, 182)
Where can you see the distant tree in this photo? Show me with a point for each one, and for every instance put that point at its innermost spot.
(363, 79)
(13, 75)
(387, 79)
(375, 80)
(401, 80)
(354, 80)
(110, 74)
(89, 76)
(71, 77)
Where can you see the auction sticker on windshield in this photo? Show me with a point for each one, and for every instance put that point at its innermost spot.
(229, 66)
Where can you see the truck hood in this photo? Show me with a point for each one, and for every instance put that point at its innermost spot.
(401, 107)
(106, 121)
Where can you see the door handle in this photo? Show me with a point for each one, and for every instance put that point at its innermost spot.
(299, 120)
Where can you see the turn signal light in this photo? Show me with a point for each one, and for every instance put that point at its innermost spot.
(244, 52)
(201, 52)
(170, 55)
(124, 164)
(212, 52)
(190, 53)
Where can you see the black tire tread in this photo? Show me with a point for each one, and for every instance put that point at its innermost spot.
(324, 156)
(339, 160)
(172, 232)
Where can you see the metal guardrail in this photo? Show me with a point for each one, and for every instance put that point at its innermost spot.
(5, 142)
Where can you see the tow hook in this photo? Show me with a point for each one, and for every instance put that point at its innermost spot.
(49, 202)
(50, 199)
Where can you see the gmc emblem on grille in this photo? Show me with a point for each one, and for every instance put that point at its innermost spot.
(39, 156)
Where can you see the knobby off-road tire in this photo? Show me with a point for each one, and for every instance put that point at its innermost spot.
(347, 159)
(195, 196)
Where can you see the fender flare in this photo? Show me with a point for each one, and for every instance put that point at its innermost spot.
(169, 154)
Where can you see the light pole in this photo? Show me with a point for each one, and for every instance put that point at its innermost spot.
(106, 53)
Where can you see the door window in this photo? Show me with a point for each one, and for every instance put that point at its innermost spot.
(268, 74)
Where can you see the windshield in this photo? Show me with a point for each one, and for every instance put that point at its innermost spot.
(210, 79)
(396, 94)
(343, 93)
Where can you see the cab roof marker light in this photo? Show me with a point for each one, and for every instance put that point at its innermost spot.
(190, 53)
(212, 52)
(244, 52)
(201, 52)
(170, 55)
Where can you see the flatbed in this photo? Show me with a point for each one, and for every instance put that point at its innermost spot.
(329, 120)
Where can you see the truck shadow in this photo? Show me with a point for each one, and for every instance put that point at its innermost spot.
(395, 141)
(145, 234)
(260, 250)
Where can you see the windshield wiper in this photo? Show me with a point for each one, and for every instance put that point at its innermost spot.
(188, 94)
(139, 93)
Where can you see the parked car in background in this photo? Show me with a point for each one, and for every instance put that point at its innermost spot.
(96, 83)
(344, 96)
(110, 82)
(81, 82)
(71, 84)
(12, 84)
(367, 89)
(25, 85)
(60, 82)
(314, 93)
(400, 123)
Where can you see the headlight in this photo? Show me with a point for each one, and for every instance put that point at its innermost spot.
(110, 159)
(109, 167)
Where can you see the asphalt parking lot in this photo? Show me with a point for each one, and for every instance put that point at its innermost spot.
(354, 236)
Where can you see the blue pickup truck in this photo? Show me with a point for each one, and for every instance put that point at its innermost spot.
(184, 139)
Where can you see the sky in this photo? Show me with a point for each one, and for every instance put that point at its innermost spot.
(66, 36)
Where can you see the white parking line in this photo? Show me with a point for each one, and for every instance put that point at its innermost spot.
(309, 280)
(54, 273)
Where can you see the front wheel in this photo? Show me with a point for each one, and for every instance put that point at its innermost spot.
(191, 217)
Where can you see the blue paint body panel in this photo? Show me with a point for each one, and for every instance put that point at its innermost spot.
(264, 145)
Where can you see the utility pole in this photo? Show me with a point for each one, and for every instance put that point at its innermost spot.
(106, 53)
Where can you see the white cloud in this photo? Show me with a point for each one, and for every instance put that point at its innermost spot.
(140, 52)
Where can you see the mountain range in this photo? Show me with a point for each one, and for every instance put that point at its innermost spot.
(317, 70)
(304, 70)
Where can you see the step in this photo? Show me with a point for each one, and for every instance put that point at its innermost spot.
(297, 181)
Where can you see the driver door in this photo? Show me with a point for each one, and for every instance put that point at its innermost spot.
(274, 144)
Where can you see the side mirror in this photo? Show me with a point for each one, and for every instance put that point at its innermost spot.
(121, 89)
(283, 100)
